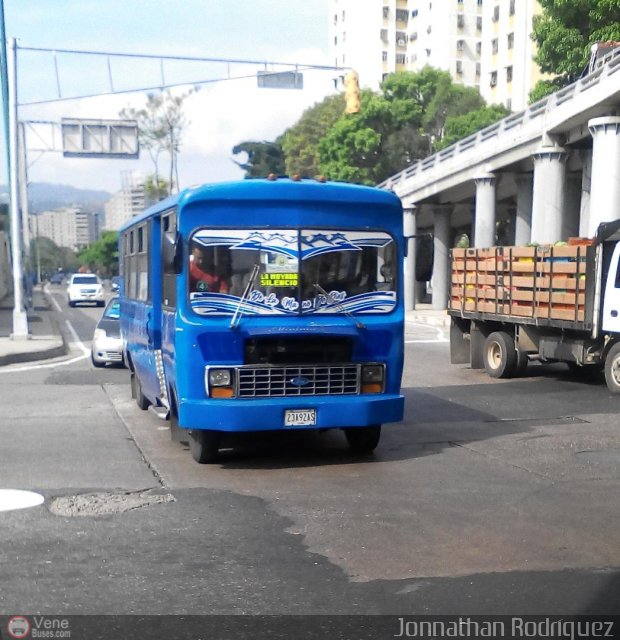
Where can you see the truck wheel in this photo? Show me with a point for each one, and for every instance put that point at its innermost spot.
(363, 439)
(500, 355)
(612, 369)
(204, 445)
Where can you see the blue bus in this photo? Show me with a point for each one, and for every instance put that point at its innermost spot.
(265, 305)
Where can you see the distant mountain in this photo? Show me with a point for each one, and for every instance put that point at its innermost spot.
(43, 196)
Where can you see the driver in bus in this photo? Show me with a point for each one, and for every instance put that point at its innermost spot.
(203, 274)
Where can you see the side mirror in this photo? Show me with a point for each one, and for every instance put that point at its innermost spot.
(171, 252)
(424, 257)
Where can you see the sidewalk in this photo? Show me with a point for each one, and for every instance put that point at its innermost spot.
(45, 339)
(425, 314)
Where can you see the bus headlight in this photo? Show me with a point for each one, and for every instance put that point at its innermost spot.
(373, 378)
(219, 383)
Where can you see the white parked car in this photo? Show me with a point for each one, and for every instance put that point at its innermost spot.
(108, 347)
(85, 287)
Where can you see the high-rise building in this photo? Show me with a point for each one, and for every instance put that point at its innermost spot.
(69, 227)
(481, 43)
(508, 71)
(126, 203)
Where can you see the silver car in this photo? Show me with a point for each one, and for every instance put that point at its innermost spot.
(108, 346)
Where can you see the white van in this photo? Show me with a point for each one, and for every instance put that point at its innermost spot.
(85, 287)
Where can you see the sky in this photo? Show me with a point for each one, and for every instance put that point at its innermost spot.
(221, 114)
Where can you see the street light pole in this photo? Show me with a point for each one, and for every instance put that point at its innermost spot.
(20, 317)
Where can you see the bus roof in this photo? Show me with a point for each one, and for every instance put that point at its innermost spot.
(282, 189)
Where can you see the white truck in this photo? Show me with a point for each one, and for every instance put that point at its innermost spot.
(512, 305)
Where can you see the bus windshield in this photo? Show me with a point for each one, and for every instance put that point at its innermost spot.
(305, 271)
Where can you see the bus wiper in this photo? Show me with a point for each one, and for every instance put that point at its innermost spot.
(234, 323)
(358, 323)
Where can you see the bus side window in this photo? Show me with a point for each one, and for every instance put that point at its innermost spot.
(169, 280)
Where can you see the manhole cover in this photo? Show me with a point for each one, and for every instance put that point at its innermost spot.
(101, 504)
(11, 499)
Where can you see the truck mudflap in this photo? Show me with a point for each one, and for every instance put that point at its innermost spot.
(459, 341)
(467, 342)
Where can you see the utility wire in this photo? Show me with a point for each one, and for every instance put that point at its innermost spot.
(164, 85)
(182, 58)
(141, 89)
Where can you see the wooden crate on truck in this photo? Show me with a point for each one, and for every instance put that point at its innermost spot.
(546, 282)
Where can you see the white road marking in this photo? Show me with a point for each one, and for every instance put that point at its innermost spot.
(50, 365)
(440, 335)
(76, 339)
(11, 499)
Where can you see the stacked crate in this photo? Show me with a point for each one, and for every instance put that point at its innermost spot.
(528, 282)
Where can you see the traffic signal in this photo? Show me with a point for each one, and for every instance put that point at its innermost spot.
(352, 92)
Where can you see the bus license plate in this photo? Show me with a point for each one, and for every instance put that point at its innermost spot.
(300, 417)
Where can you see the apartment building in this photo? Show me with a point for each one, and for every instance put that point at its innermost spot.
(126, 203)
(508, 72)
(69, 227)
(481, 43)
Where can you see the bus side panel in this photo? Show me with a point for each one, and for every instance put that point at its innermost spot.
(139, 346)
(168, 352)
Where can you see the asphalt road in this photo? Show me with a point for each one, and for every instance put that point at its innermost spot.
(492, 497)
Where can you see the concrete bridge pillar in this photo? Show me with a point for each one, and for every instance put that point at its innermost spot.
(441, 261)
(523, 222)
(572, 206)
(605, 183)
(548, 196)
(484, 222)
(586, 186)
(409, 231)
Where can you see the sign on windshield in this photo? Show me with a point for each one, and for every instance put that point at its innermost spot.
(306, 271)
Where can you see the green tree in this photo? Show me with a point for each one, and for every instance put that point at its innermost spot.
(564, 33)
(45, 253)
(263, 158)
(394, 128)
(102, 255)
(459, 127)
(300, 142)
(161, 124)
(352, 149)
(156, 189)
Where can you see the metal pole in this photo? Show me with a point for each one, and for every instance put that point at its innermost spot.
(25, 218)
(37, 251)
(20, 318)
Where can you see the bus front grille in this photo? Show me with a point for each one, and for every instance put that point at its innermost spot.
(269, 382)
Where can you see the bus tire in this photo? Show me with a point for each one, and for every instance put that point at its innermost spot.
(204, 445)
(176, 433)
(499, 355)
(363, 439)
(141, 400)
(612, 369)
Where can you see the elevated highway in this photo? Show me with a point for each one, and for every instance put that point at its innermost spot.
(541, 175)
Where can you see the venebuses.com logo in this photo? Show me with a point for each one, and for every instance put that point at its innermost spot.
(18, 627)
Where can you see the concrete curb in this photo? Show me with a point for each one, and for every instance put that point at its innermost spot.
(52, 345)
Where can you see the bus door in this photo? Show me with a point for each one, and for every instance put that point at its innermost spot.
(144, 334)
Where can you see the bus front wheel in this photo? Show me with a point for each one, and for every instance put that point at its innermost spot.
(204, 445)
(363, 439)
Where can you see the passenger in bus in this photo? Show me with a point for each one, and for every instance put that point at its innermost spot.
(203, 274)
